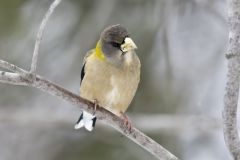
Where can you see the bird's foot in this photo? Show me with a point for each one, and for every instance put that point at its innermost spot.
(126, 122)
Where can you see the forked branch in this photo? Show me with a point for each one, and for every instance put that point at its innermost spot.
(40, 34)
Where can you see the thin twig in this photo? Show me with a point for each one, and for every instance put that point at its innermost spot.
(13, 68)
(12, 78)
(40, 34)
(230, 129)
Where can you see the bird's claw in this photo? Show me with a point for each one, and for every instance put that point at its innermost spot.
(126, 122)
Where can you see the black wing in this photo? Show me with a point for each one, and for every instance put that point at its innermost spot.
(82, 72)
(84, 63)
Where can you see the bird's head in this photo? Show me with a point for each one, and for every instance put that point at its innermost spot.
(114, 43)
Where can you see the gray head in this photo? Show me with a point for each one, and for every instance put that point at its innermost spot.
(115, 42)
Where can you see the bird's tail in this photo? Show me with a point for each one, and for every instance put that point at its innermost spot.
(86, 120)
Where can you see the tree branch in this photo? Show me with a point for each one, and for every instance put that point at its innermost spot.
(102, 114)
(40, 34)
(230, 130)
(12, 78)
(13, 68)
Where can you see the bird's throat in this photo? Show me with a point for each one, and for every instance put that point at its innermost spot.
(98, 51)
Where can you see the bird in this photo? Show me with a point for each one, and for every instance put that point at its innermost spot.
(110, 75)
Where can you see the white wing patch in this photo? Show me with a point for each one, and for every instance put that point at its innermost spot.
(86, 120)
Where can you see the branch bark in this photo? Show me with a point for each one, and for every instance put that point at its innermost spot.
(13, 68)
(230, 130)
(12, 78)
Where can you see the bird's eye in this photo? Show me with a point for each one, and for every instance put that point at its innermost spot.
(117, 45)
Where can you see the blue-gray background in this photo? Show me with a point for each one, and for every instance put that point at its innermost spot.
(181, 44)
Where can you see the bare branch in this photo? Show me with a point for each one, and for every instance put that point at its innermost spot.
(138, 137)
(40, 34)
(12, 78)
(230, 130)
(102, 114)
(13, 68)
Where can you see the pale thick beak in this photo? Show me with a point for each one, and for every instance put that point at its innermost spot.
(128, 45)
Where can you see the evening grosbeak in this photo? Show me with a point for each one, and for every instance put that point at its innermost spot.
(110, 75)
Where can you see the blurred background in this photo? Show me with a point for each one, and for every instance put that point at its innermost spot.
(181, 44)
